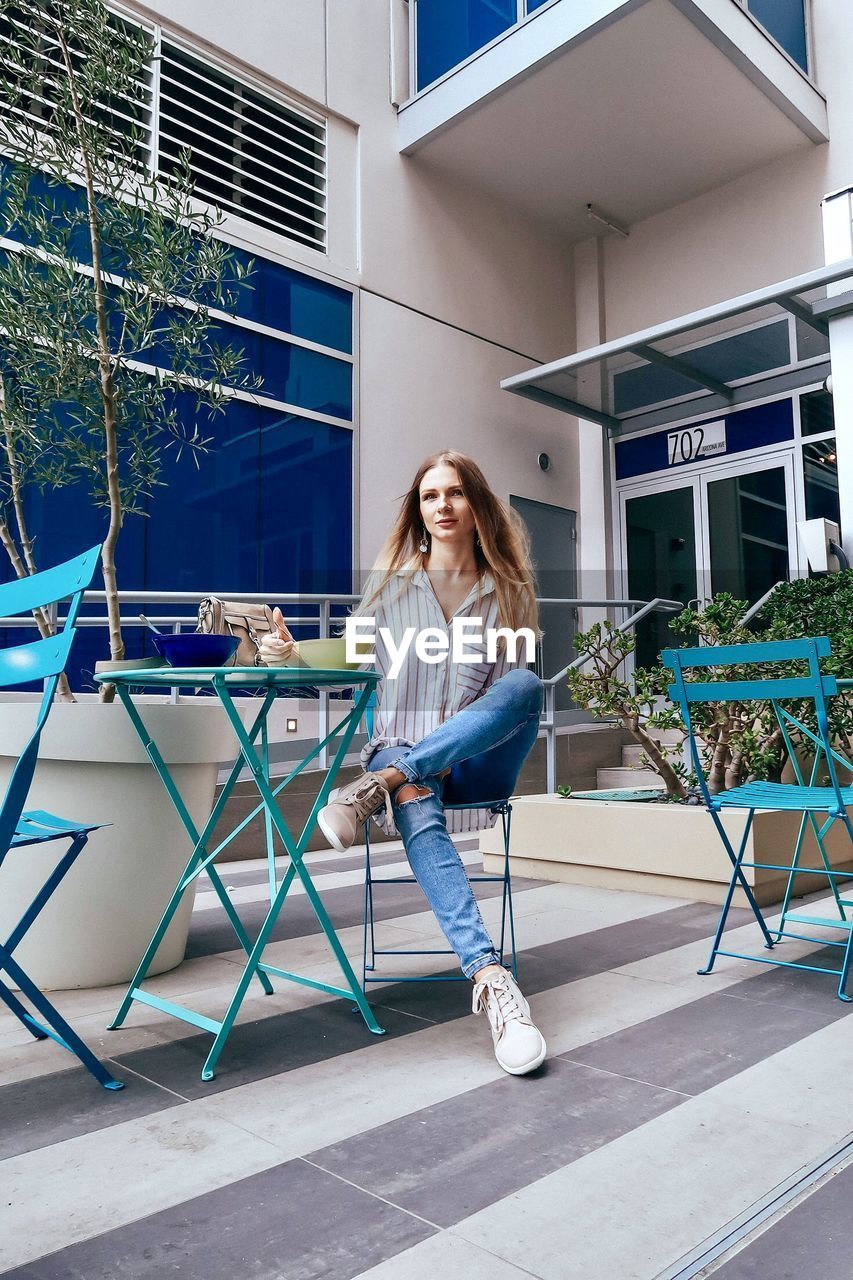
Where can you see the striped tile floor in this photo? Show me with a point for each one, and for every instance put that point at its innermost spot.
(669, 1104)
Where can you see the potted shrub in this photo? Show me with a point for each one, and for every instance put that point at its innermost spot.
(107, 314)
(672, 847)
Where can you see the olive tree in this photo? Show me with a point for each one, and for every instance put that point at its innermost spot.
(110, 278)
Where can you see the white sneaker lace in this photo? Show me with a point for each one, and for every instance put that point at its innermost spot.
(504, 1005)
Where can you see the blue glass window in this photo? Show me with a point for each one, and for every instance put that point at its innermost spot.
(786, 22)
(62, 523)
(295, 374)
(535, 4)
(268, 505)
(306, 506)
(202, 531)
(295, 303)
(449, 31)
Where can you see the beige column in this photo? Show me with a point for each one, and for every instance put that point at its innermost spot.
(595, 577)
(838, 245)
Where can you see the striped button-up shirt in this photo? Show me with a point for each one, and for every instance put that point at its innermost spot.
(424, 695)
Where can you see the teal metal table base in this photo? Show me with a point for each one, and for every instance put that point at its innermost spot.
(202, 860)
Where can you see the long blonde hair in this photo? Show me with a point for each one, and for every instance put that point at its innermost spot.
(502, 545)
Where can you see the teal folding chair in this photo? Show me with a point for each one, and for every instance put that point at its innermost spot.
(805, 797)
(503, 809)
(370, 951)
(42, 660)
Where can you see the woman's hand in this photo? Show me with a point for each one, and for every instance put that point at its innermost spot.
(276, 648)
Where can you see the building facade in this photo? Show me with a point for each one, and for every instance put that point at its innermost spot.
(605, 207)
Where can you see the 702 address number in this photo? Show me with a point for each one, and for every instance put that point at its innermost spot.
(695, 442)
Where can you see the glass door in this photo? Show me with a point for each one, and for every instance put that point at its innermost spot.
(751, 533)
(723, 528)
(662, 555)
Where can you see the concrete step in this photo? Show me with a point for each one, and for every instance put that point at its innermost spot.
(621, 777)
(669, 737)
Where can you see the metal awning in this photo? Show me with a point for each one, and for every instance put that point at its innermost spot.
(708, 361)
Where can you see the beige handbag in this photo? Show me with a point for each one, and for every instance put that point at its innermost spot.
(249, 623)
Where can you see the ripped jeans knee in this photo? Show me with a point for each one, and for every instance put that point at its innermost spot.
(410, 793)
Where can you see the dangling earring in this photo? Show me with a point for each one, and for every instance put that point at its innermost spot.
(423, 545)
(477, 542)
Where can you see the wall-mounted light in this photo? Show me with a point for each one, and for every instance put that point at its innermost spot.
(291, 726)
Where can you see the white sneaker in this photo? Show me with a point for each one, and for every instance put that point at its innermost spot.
(519, 1044)
(348, 808)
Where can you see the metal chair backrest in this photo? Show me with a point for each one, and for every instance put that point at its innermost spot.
(814, 687)
(370, 714)
(40, 660)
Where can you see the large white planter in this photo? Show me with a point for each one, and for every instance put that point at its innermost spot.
(668, 849)
(92, 768)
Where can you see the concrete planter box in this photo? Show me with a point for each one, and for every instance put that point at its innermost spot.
(93, 768)
(653, 848)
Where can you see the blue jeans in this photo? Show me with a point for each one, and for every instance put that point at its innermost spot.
(484, 746)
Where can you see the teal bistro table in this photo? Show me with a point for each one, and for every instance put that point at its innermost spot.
(253, 756)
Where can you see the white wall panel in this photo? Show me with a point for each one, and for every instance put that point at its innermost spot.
(425, 386)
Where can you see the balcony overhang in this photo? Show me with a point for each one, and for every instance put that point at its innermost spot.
(631, 105)
(696, 355)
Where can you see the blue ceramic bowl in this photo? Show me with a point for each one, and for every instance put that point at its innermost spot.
(191, 649)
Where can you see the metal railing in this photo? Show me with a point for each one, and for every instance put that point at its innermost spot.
(759, 605)
(643, 608)
(321, 618)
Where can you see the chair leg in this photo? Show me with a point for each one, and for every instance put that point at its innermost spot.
(369, 934)
(737, 878)
(506, 897)
(57, 1028)
(25, 923)
(737, 873)
(47, 890)
(820, 834)
(789, 884)
(368, 938)
(22, 1013)
(845, 970)
(848, 951)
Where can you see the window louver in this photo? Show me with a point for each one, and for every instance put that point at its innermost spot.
(248, 153)
(34, 74)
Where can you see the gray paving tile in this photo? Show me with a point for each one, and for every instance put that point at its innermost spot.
(35, 1114)
(211, 932)
(810, 1240)
(52, 1108)
(569, 959)
(379, 857)
(266, 1047)
(796, 987)
(702, 1043)
(292, 1222)
(452, 1159)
